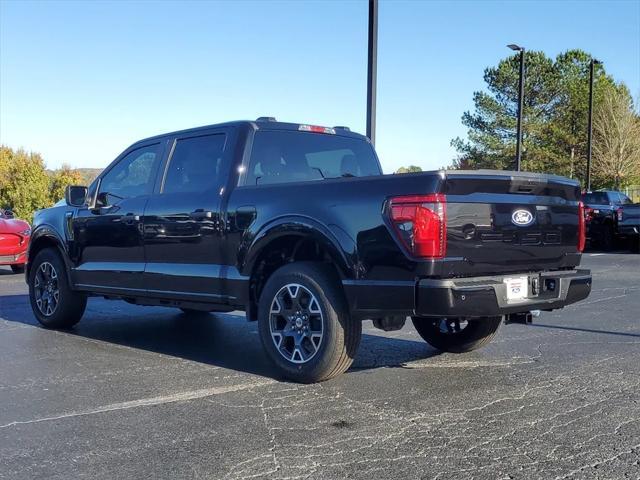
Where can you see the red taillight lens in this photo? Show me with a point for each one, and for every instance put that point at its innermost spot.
(588, 214)
(420, 222)
(582, 230)
(619, 214)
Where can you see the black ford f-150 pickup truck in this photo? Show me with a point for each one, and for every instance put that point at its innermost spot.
(297, 225)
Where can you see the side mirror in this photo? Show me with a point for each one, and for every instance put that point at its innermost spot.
(75, 195)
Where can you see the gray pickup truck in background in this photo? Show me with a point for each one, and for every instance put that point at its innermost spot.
(629, 224)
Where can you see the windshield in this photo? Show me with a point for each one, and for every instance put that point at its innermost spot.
(287, 156)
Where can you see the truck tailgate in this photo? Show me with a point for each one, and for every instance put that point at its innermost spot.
(630, 221)
(510, 222)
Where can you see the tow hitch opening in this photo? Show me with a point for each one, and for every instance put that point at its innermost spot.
(524, 318)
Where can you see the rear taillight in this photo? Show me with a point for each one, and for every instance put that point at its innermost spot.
(582, 230)
(420, 222)
(619, 214)
(588, 214)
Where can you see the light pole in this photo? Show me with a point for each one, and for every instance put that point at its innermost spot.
(517, 48)
(372, 70)
(589, 138)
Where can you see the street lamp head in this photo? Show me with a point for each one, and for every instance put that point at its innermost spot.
(515, 47)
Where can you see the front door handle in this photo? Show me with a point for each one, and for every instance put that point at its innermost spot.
(130, 218)
(200, 214)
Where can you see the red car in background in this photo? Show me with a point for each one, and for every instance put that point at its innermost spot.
(14, 241)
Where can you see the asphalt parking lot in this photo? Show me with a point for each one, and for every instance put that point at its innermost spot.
(141, 392)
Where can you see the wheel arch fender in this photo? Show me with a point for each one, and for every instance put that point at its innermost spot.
(42, 237)
(337, 243)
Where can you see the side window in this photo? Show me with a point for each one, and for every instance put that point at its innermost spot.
(132, 176)
(624, 200)
(195, 164)
(614, 198)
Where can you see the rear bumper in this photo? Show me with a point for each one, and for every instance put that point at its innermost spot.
(488, 295)
(19, 258)
(472, 297)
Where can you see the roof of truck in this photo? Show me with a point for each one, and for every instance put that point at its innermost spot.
(262, 123)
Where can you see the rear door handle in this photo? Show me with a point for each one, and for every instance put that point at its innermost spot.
(200, 214)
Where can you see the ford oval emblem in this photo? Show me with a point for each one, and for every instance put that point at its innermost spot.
(522, 218)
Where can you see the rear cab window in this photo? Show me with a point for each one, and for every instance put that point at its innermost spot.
(284, 156)
(596, 198)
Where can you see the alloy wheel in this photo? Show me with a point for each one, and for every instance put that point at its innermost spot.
(46, 289)
(296, 323)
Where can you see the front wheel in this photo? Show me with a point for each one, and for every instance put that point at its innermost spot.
(304, 323)
(457, 335)
(53, 302)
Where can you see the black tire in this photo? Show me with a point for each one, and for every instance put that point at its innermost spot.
(70, 305)
(337, 335)
(476, 333)
(634, 244)
(17, 268)
(607, 241)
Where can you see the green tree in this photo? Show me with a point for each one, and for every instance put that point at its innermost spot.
(492, 126)
(24, 184)
(409, 169)
(554, 115)
(59, 181)
(567, 132)
(616, 141)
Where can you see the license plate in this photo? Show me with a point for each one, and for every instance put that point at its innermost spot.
(517, 288)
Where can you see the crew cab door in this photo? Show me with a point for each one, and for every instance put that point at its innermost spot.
(107, 248)
(182, 221)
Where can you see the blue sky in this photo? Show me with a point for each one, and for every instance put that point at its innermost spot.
(80, 81)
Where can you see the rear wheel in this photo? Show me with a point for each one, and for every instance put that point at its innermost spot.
(607, 241)
(53, 302)
(304, 323)
(457, 335)
(17, 268)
